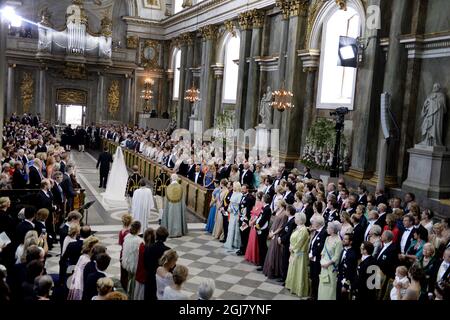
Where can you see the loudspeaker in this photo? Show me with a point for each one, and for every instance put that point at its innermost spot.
(384, 116)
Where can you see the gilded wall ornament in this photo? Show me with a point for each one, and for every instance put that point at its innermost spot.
(257, 18)
(150, 54)
(132, 42)
(245, 21)
(45, 16)
(342, 4)
(209, 32)
(186, 38)
(114, 98)
(229, 26)
(106, 25)
(299, 7)
(284, 8)
(71, 96)
(75, 71)
(313, 11)
(26, 91)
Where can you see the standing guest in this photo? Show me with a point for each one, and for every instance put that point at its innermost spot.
(373, 216)
(73, 252)
(50, 166)
(76, 281)
(174, 218)
(363, 291)
(298, 204)
(415, 250)
(443, 274)
(213, 208)
(43, 286)
(362, 195)
(401, 283)
(245, 208)
(197, 175)
(127, 219)
(72, 217)
(35, 174)
(130, 255)
(102, 262)
(413, 292)
(408, 200)
(427, 220)
(210, 177)
(116, 295)
(58, 196)
(104, 286)
(90, 267)
(217, 232)
(74, 232)
(173, 292)
(329, 262)
(164, 276)
(224, 211)
(430, 265)
(297, 276)
(26, 225)
(391, 224)
(149, 239)
(252, 252)
(152, 254)
(348, 262)
(104, 162)
(331, 213)
(262, 231)
(234, 237)
(375, 239)
(68, 187)
(387, 260)
(347, 226)
(407, 235)
(246, 176)
(19, 178)
(314, 252)
(279, 191)
(284, 240)
(234, 174)
(257, 176)
(273, 266)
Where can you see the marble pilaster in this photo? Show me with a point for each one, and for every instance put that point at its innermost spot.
(100, 115)
(186, 109)
(182, 88)
(10, 105)
(251, 106)
(41, 99)
(218, 75)
(128, 112)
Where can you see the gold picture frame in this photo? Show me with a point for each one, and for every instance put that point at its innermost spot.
(150, 54)
(152, 4)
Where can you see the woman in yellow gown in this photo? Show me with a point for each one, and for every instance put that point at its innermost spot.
(297, 278)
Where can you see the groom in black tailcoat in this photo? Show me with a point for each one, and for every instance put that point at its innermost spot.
(104, 162)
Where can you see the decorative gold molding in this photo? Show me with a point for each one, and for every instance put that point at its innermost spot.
(132, 42)
(71, 96)
(187, 38)
(114, 97)
(284, 8)
(75, 71)
(257, 17)
(229, 26)
(209, 32)
(245, 22)
(45, 15)
(26, 91)
(298, 7)
(312, 14)
(342, 4)
(106, 25)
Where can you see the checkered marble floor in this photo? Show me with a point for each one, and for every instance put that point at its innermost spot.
(235, 278)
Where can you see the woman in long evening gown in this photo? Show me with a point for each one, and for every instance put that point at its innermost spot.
(252, 251)
(234, 235)
(212, 211)
(330, 259)
(218, 222)
(297, 280)
(273, 265)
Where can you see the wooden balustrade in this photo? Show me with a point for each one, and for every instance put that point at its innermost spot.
(197, 197)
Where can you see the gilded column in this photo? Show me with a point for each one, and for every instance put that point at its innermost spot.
(10, 105)
(207, 87)
(251, 109)
(245, 24)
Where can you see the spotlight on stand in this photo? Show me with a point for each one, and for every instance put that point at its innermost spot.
(339, 117)
(9, 13)
(348, 52)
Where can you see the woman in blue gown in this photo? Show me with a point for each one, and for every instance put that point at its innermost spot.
(212, 211)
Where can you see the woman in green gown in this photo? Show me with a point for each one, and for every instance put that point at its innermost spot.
(331, 254)
(297, 278)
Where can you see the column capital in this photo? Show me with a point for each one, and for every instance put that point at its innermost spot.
(12, 65)
(245, 22)
(218, 70)
(298, 7)
(187, 38)
(229, 26)
(310, 59)
(257, 17)
(284, 8)
(209, 32)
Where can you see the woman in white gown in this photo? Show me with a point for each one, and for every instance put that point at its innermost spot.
(234, 235)
(114, 194)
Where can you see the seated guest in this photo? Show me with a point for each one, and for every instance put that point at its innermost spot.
(164, 275)
(206, 289)
(102, 262)
(104, 286)
(173, 292)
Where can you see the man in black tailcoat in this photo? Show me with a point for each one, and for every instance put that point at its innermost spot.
(104, 162)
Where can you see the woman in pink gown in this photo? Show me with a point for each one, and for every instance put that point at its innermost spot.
(252, 252)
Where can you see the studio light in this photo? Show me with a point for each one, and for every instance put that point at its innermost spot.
(10, 15)
(347, 52)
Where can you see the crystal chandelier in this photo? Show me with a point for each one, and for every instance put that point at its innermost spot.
(147, 94)
(192, 94)
(282, 99)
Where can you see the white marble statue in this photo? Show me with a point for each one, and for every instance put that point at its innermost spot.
(195, 107)
(432, 116)
(265, 110)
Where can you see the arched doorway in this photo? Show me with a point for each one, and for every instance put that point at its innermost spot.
(71, 106)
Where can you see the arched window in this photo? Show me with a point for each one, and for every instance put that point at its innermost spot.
(176, 74)
(177, 6)
(231, 68)
(336, 83)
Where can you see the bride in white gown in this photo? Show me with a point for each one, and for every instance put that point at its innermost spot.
(117, 182)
